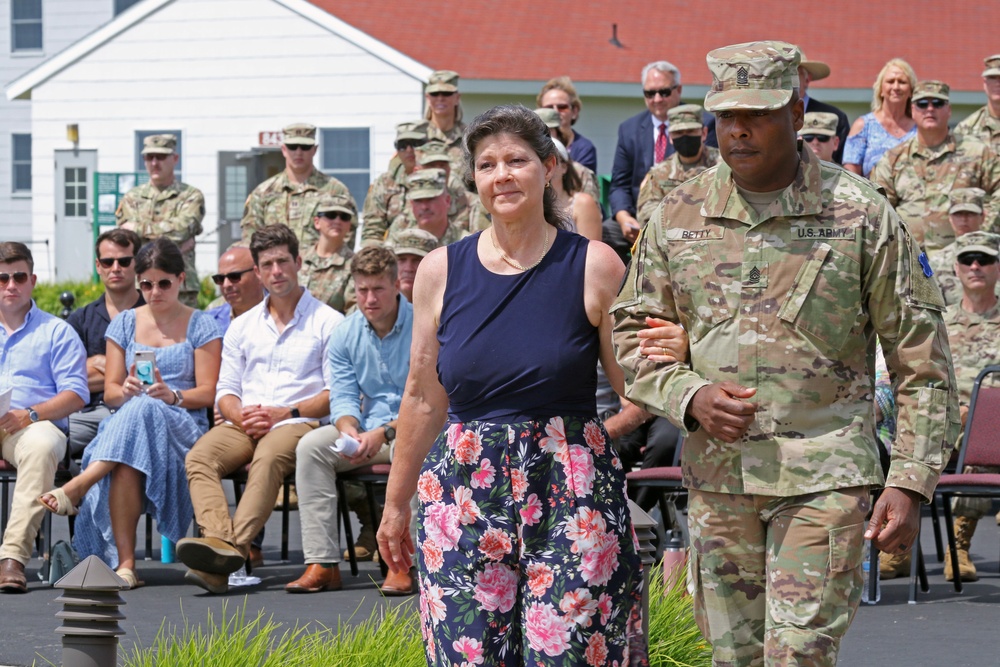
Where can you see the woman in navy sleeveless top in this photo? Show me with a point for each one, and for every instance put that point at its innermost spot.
(525, 543)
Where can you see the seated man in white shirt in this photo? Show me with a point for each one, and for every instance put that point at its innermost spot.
(272, 391)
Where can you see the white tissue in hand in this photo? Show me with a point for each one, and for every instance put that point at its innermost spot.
(346, 446)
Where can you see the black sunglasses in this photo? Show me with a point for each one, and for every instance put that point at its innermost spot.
(147, 285)
(19, 277)
(335, 215)
(403, 144)
(298, 147)
(965, 259)
(108, 262)
(821, 138)
(233, 276)
(441, 93)
(928, 102)
(557, 107)
(662, 92)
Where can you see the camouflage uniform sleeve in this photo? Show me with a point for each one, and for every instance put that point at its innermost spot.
(881, 176)
(663, 389)
(127, 213)
(253, 215)
(991, 184)
(186, 221)
(376, 215)
(905, 306)
(647, 200)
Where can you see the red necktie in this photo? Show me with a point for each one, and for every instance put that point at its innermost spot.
(661, 144)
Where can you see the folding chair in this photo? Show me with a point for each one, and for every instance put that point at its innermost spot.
(979, 449)
(667, 482)
(8, 478)
(370, 476)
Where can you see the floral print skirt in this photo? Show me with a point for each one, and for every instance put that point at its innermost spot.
(527, 553)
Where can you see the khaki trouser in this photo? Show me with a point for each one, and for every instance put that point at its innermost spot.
(225, 449)
(36, 451)
(776, 581)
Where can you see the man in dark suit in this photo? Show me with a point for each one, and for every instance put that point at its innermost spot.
(640, 139)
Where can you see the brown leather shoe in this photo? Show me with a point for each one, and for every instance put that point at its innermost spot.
(12, 579)
(400, 583)
(256, 557)
(210, 554)
(210, 581)
(316, 578)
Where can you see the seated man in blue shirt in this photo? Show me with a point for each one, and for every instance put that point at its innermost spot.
(368, 358)
(240, 286)
(116, 250)
(44, 366)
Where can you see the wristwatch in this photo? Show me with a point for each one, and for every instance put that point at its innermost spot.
(295, 413)
(178, 396)
(390, 432)
(32, 415)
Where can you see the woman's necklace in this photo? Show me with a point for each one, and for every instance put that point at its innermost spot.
(504, 257)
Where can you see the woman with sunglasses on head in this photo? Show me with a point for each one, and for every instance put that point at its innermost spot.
(326, 270)
(582, 209)
(559, 94)
(136, 462)
(890, 122)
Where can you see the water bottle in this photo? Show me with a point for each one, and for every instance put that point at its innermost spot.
(866, 571)
(167, 550)
(674, 558)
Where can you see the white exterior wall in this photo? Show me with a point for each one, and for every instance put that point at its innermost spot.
(63, 22)
(220, 71)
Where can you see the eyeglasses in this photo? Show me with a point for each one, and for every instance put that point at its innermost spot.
(965, 259)
(298, 147)
(108, 262)
(662, 92)
(821, 138)
(156, 157)
(441, 93)
(403, 144)
(335, 215)
(219, 278)
(558, 107)
(930, 102)
(20, 278)
(147, 285)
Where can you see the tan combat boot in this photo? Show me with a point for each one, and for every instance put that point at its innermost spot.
(964, 528)
(891, 566)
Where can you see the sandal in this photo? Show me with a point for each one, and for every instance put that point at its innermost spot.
(128, 574)
(63, 505)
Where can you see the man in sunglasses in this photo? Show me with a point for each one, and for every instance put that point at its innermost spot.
(116, 251)
(985, 121)
(819, 132)
(386, 199)
(326, 270)
(643, 141)
(965, 213)
(918, 174)
(44, 369)
(290, 198)
(165, 207)
(239, 284)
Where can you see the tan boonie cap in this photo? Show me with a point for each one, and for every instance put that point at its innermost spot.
(992, 65)
(426, 184)
(549, 116)
(299, 134)
(412, 241)
(159, 144)
(443, 81)
(817, 69)
(414, 129)
(936, 89)
(432, 151)
(966, 199)
(983, 242)
(819, 122)
(753, 76)
(685, 117)
(331, 203)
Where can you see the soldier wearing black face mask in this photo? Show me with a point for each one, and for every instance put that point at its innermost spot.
(691, 157)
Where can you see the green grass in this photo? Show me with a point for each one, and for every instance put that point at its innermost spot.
(674, 638)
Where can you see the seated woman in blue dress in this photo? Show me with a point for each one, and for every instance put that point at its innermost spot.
(136, 462)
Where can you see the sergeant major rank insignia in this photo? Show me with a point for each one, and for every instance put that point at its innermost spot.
(742, 76)
(754, 276)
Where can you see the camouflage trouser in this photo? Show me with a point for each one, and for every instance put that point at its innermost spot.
(776, 581)
(970, 507)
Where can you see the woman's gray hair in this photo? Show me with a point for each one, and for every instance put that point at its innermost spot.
(661, 66)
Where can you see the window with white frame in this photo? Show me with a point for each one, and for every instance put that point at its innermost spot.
(26, 25)
(345, 154)
(122, 5)
(21, 163)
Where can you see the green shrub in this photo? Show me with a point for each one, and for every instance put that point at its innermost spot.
(47, 294)
(674, 637)
(207, 293)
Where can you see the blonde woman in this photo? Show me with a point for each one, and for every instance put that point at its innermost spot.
(890, 122)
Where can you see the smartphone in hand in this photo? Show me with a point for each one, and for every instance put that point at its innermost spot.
(145, 367)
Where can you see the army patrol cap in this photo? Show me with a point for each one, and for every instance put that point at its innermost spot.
(819, 122)
(684, 117)
(936, 89)
(817, 69)
(426, 184)
(443, 81)
(159, 144)
(299, 134)
(412, 241)
(335, 203)
(992, 65)
(966, 199)
(549, 116)
(431, 152)
(984, 242)
(414, 129)
(756, 76)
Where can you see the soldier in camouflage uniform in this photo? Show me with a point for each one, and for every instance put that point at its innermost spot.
(444, 116)
(819, 132)
(918, 174)
(165, 207)
(984, 123)
(429, 201)
(782, 269)
(326, 269)
(386, 199)
(433, 155)
(410, 247)
(965, 213)
(691, 157)
(290, 198)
